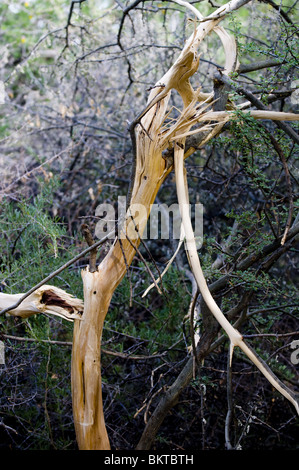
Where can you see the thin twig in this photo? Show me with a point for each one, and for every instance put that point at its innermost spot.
(121, 355)
(280, 153)
(47, 416)
(90, 241)
(195, 359)
(128, 271)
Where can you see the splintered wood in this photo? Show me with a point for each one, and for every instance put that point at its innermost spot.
(151, 137)
(86, 368)
(45, 300)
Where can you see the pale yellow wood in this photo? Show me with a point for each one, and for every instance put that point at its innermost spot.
(46, 299)
(86, 369)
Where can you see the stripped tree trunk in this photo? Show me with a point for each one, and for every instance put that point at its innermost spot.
(150, 140)
(86, 368)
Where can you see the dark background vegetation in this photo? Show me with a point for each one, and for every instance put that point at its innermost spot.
(72, 85)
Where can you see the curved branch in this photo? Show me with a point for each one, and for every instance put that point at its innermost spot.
(234, 336)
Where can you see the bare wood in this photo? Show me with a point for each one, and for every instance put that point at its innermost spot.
(151, 170)
(86, 368)
(151, 139)
(46, 300)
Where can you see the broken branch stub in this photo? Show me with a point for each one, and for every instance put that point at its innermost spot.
(46, 300)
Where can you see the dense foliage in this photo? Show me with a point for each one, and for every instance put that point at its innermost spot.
(72, 84)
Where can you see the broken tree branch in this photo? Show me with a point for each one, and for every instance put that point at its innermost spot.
(259, 105)
(152, 137)
(45, 299)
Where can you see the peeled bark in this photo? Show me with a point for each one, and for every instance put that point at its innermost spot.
(98, 290)
(151, 137)
(86, 369)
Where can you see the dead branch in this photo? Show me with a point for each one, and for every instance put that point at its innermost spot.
(46, 300)
(259, 105)
(205, 346)
(21, 297)
(151, 138)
